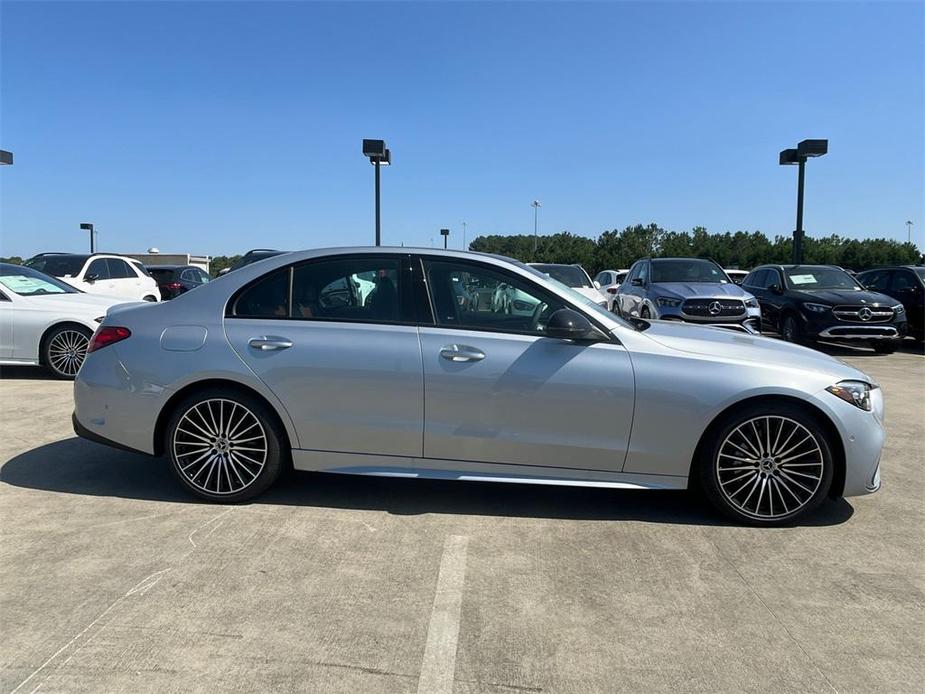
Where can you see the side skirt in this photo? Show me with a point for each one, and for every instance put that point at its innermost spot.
(441, 469)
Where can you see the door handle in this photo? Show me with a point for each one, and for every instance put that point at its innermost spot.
(268, 342)
(462, 353)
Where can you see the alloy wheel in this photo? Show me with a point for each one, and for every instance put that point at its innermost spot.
(220, 446)
(769, 467)
(67, 351)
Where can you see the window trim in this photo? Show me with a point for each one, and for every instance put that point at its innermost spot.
(405, 319)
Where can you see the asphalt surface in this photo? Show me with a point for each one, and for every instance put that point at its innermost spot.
(112, 579)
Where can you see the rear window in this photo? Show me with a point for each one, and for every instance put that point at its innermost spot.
(160, 274)
(58, 265)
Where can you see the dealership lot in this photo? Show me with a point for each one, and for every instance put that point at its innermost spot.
(114, 580)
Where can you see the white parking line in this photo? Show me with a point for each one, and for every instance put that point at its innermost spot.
(439, 664)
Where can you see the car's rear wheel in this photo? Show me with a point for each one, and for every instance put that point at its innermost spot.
(64, 350)
(225, 445)
(767, 465)
(149, 297)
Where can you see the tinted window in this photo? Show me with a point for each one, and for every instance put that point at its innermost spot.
(643, 272)
(119, 269)
(773, 277)
(687, 270)
(140, 268)
(58, 265)
(352, 289)
(161, 274)
(467, 295)
(755, 279)
(203, 275)
(803, 278)
(569, 275)
(880, 281)
(99, 268)
(190, 275)
(903, 280)
(266, 298)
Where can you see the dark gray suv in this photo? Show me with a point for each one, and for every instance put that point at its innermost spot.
(686, 289)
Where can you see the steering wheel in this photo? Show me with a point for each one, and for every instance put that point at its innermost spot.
(537, 315)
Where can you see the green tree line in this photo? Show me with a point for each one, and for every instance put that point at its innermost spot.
(616, 249)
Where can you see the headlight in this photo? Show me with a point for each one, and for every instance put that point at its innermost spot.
(898, 308)
(751, 303)
(855, 392)
(815, 308)
(667, 301)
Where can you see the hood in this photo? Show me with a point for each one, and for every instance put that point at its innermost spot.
(730, 344)
(702, 290)
(843, 296)
(591, 293)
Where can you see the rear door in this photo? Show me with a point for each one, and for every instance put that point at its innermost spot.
(126, 282)
(497, 390)
(906, 287)
(347, 370)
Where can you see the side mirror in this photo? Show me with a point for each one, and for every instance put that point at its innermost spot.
(91, 278)
(567, 324)
(775, 289)
(637, 282)
(224, 271)
(597, 285)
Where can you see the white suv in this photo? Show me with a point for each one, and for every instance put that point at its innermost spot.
(99, 273)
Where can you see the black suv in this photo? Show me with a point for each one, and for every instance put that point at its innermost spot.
(809, 302)
(174, 280)
(906, 284)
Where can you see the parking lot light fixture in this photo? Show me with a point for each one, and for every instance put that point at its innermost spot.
(6, 158)
(379, 155)
(445, 233)
(805, 150)
(86, 226)
(536, 205)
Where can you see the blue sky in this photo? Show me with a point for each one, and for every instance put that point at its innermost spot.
(213, 128)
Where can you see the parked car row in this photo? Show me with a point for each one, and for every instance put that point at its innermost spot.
(325, 360)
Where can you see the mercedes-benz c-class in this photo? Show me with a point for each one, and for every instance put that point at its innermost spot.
(363, 361)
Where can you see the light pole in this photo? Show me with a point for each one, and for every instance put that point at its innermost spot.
(464, 237)
(445, 233)
(908, 231)
(804, 150)
(378, 155)
(536, 205)
(86, 226)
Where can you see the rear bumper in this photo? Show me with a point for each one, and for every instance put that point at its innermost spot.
(85, 433)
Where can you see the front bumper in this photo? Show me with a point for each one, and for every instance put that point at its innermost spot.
(827, 327)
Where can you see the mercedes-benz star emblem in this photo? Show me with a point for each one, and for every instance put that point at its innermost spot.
(865, 313)
(715, 308)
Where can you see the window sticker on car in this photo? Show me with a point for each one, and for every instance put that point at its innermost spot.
(29, 285)
(803, 279)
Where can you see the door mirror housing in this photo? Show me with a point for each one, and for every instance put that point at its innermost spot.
(637, 282)
(597, 285)
(775, 289)
(566, 324)
(91, 278)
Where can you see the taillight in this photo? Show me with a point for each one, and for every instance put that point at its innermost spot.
(174, 285)
(108, 335)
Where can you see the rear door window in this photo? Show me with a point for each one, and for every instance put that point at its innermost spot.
(119, 269)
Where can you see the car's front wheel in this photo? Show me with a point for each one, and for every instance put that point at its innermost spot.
(767, 465)
(883, 346)
(225, 445)
(64, 350)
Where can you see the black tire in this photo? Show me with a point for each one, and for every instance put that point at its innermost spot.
(64, 349)
(194, 459)
(149, 297)
(809, 463)
(791, 331)
(884, 346)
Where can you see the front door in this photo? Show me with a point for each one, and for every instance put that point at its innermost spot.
(347, 367)
(497, 390)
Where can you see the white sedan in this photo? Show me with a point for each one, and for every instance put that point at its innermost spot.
(46, 322)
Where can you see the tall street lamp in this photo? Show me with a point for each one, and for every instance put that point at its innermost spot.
(86, 226)
(445, 233)
(464, 237)
(804, 150)
(908, 231)
(378, 155)
(536, 205)
(6, 158)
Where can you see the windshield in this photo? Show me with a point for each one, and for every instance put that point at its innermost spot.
(820, 278)
(920, 271)
(28, 282)
(569, 275)
(58, 265)
(687, 271)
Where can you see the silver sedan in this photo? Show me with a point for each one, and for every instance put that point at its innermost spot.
(283, 362)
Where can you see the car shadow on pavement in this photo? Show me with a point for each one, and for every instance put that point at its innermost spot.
(76, 466)
(23, 373)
